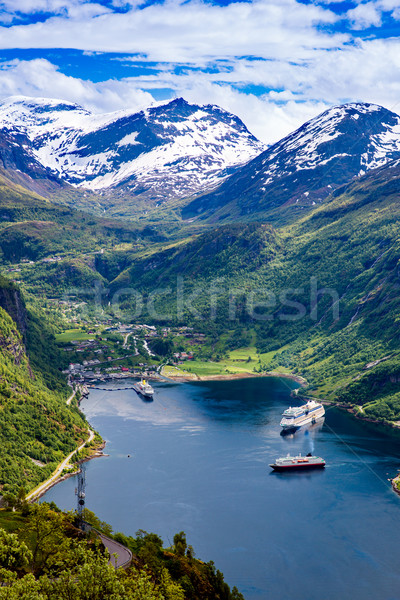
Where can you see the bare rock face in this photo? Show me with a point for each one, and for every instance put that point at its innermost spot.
(12, 302)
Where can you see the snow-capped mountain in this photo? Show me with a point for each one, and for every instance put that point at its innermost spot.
(306, 166)
(170, 150)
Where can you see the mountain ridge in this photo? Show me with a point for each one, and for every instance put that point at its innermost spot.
(164, 152)
(301, 170)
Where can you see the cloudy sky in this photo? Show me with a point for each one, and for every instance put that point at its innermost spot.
(274, 63)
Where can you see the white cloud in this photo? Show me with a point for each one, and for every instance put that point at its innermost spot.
(86, 11)
(391, 6)
(66, 9)
(388, 5)
(277, 45)
(368, 70)
(263, 117)
(365, 15)
(181, 31)
(33, 6)
(40, 78)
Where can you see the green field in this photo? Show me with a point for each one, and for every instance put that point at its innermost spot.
(169, 371)
(71, 335)
(240, 361)
(204, 369)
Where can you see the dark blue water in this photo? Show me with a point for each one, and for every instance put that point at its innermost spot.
(199, 456)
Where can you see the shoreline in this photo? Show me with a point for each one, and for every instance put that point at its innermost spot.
(232, 376)
(350, 409)
(394, 483)
(97, 453)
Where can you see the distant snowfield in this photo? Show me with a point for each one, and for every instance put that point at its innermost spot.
(193, 147)
(176, 150)
(304, 148)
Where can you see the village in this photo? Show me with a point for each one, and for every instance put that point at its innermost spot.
(112, 351)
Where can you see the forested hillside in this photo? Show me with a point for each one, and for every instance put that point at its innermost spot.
(322, 294)
(44, 556)
(32, 228)
(37, 429)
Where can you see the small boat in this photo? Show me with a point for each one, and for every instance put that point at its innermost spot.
(295, 417)
(144, 388)
(297, 463)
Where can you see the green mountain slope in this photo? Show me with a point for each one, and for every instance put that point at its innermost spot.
(321, 294)
(56, 249)
(37, 429)
(32, 228)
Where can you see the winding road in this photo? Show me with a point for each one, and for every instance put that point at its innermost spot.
(126, 339)
(72, 396)
(37, 492)
(124, 555)
(120, 556)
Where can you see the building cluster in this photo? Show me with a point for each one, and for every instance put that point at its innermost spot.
(104, 366)
(79, 374)
(90, 345)
(182, 356)
(51, 259)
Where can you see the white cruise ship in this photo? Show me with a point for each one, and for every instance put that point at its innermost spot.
(295, 463)
(297, 416)
(144, 388)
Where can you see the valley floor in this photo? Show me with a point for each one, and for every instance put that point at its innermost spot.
(182, 375)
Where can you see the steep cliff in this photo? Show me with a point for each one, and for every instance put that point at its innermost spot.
(12, 302)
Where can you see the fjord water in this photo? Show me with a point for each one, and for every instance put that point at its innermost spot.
(198, 462)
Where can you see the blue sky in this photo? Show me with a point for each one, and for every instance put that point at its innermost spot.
(274, 63)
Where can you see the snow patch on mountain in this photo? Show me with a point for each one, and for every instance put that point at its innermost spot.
(303, 168)
(129, 140)
(306, 148)
(187, 147)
